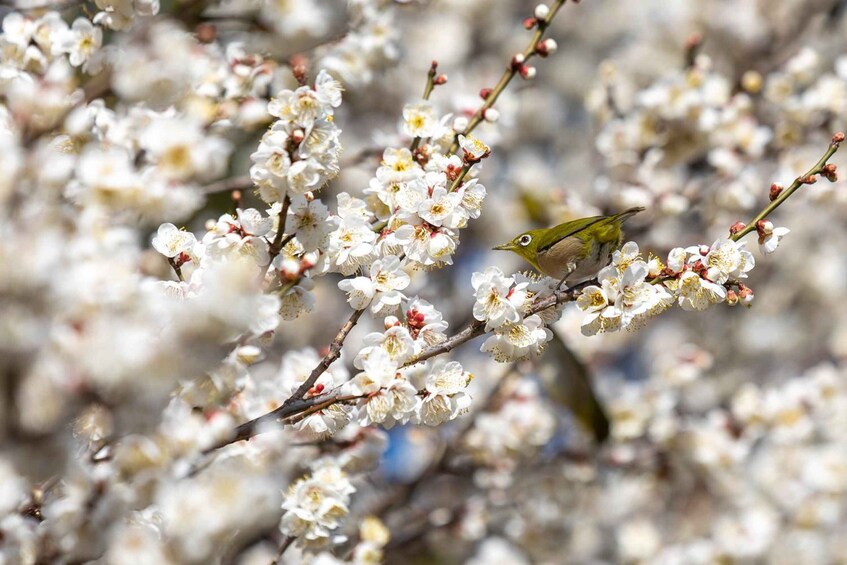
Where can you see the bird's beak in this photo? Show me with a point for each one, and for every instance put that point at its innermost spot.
(504, 247)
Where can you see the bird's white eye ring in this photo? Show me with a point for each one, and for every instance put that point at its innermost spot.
(525, 239)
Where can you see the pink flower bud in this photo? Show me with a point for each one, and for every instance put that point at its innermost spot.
(440, 79)
(764, 227)
(529, 23)
(391, 321)
(518, 60)
(731, 297)
(485, 93)
(775, 191)
(736, 227)
(297, 136)
(546, 47)
(527, 72)
(838, 137)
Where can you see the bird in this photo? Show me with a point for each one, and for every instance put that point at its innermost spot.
(572, 251)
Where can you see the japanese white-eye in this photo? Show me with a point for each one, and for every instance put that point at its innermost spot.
(575, 250)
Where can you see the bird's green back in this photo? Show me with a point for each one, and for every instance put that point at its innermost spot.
(552, 236)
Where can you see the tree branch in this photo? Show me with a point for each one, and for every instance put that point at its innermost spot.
(509, 74)
(807, 178)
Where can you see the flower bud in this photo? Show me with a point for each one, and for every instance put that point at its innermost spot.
(829, 172)
(736, 227)
(811, 179)
(746, 295)
(490, 115)
(460, 124)
(248, 354)
(838, 137)
(775, 191)
(541, 11)
(546, 47)
(290, 269)
(391, 321)
(527, 72)
(731, 297)
(485, 93)
(440, 79)
(518, 60)
(529, 23)
(764, 227)
(297, 136)
(309, 195)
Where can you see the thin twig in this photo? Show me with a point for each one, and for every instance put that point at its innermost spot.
(798, 182)
(229, 185)
(477, 328)
(283, 546)
(508, 74)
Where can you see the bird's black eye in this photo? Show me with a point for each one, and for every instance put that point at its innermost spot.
(525, 239)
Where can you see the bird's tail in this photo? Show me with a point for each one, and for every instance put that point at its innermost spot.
(623, 216)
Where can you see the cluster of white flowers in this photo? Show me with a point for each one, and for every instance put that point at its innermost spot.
(369, 47)
(315, 505)
(697, 277)
(502, 303)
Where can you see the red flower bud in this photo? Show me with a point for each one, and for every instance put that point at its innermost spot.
(736, 227)
(838, 137)
(775, 191)
(440, 79)
(529, 23)
(484, 93)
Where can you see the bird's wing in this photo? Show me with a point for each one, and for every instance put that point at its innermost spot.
(567, 229)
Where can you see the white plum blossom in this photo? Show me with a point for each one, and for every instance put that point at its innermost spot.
(81, 41)
(770, 237)
(310, 222)
(518, 340)
(498, 299)
(445, 395)
(170, 241)
(473, 147)
(316, 504)
(697, 293)
(419, 120)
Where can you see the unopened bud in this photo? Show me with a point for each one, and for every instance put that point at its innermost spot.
(236, 195)
(811, 179)
(746, 295)
(518, 60)
(298, 135)
(704, 250)
(527, 72)
(290, 269)
(206, 32)
(546, 47)
(460, 124)
(764, 227)
(434, 66)
(440, 79)
(838, 137)
(391, 321)
(736, 227)
(484, 93)
(309, 195)
(829, 172)
(775, 191)
(529, 23)
(490, 115)
(731, 297)
(308, 260)
(541, 11)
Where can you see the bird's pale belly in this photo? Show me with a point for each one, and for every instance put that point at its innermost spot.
(561, 260)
